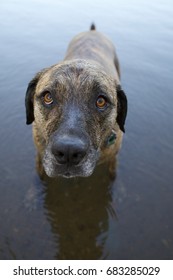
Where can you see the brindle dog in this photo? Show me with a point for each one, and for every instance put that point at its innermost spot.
(78, 108)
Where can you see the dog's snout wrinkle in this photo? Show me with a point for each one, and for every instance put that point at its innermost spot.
(69, 150)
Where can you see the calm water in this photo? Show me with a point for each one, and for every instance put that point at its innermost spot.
(92, 218)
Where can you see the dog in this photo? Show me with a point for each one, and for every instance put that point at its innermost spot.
(78, 108)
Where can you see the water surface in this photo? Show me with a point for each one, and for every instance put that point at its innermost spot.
(91, 218)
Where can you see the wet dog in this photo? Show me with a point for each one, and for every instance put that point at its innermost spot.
(78, 108)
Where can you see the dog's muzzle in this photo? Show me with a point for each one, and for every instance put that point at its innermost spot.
(69, 156)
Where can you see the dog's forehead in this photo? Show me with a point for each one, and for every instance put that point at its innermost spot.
(76, 74)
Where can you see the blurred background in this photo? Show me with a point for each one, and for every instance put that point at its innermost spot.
(91, 218)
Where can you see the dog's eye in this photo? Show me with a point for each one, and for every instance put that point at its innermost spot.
(47, 98)
(101, 102)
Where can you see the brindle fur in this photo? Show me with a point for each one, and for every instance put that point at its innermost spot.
(90, 68)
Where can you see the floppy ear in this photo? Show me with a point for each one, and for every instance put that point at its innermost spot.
(29, 98)
(121, 107)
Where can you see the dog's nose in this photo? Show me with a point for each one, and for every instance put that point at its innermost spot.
(69, 150)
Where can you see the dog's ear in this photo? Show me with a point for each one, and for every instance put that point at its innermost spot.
(121, 107)
(30, 96)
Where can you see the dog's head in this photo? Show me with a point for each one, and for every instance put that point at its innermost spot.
(77, 111)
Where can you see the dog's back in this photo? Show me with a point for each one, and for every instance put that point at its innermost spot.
(93, 45)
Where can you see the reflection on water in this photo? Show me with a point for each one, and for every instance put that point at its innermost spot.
(80, 211)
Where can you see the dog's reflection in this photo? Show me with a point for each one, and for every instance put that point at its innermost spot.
(79, 211)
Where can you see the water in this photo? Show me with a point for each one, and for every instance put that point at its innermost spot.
(92, 218)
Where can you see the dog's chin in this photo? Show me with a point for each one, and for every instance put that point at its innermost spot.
(67, 172)
(54, 170)
(71, 174)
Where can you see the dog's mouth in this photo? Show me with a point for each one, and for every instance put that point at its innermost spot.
(54, 170)
(68, 175)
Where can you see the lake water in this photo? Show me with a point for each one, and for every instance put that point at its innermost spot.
(91, 218)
